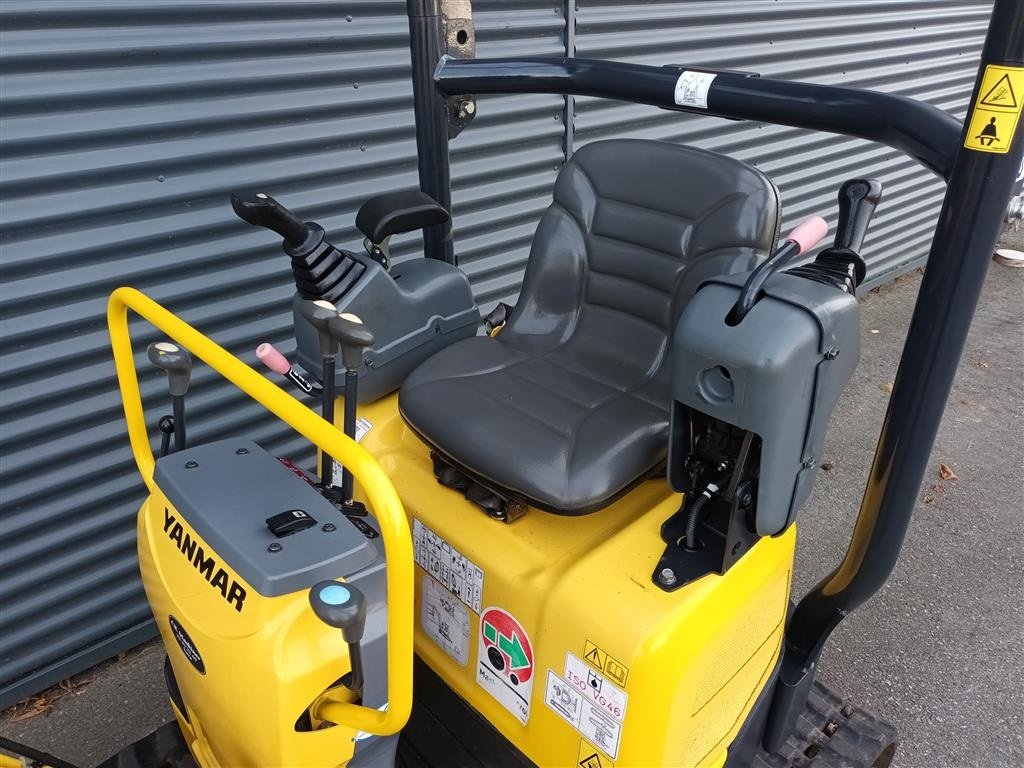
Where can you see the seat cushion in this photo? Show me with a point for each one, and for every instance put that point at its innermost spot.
(542, 425)
(568, 405)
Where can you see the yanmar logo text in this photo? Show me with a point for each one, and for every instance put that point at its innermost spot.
(230, 589)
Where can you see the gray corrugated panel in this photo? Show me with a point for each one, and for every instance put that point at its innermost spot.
(125, 126)
(919, 48)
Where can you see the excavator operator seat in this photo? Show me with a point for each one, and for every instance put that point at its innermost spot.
(568, 406)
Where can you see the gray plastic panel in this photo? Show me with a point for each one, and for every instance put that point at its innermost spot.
(417, 309)
(769, 374)
(233, 487)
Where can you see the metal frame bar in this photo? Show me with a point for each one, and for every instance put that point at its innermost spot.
(979, 184)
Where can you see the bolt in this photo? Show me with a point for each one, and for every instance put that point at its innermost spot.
(242, 451)
(274, 547)
(328, 527)
(808, 463)
(747, 500)
(466, 108)
(831, 353)
(667, 577)
(191, 464)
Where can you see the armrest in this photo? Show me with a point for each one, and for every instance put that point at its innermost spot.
(395, 212)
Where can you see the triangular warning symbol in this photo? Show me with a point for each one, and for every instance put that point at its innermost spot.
(1000, 95)
(594, 761)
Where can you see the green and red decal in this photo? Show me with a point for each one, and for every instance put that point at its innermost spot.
(507, 646)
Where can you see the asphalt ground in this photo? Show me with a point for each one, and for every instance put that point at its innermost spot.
(939, 652)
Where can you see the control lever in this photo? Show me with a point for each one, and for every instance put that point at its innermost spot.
(319, 314)
(841, 265)
(801, 239)
(320, 270)
(278, 363)
(343, 606)
(177, 364)
(858, 199)
(348, 331)
(261, 210)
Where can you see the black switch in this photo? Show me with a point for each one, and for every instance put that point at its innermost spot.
(287, 523)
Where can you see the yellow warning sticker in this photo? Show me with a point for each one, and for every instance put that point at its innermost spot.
(602, 661)
(589, 757)
(993, 121)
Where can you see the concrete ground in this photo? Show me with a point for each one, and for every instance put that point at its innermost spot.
(939, 652)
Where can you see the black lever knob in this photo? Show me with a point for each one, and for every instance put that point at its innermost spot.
(349, 331)
(261, 210)
(319, 314)
(175, 362)
(858, 199)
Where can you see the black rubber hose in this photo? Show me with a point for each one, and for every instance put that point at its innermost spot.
(692, 520)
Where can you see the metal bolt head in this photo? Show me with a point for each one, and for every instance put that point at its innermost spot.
(328, 527)
(831, 354)
(191, 464)
(274, 547)
(808, 463)
(667, 577)
(242, 451)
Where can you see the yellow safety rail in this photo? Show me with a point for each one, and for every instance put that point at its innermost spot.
(381, 494)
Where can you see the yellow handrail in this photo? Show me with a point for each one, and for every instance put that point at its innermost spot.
(381, 494)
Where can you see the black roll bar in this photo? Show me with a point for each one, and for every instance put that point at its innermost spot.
(919, 130)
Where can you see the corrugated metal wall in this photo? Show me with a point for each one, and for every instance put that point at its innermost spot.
(924, 49)
(125, 123)
(125, 126)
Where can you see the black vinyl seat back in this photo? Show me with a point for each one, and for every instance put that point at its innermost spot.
(568, 406)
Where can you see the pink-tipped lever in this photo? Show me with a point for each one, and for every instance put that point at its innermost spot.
(278, 363)
(808, 233)
(804, 236)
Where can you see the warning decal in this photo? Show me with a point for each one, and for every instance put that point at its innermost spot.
(505, 662)
(992, 123)
(587, 757)
(595, 688)
(602, 661)
(568, 703)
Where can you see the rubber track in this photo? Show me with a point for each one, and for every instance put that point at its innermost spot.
(832, 733)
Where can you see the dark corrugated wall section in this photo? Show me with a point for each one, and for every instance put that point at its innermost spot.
(924, 49)
(125, 125)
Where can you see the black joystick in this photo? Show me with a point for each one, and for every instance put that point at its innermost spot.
(354, 337)
(319, 269)
(343, 606)
(177, 364)
(841, 265)
(319, 315)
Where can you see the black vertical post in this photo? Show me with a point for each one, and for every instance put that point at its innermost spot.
(969, 224)
(426, 46)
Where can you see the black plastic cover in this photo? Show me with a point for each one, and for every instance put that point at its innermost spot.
(395, 212)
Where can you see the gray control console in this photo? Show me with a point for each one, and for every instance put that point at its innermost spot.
(416, 309)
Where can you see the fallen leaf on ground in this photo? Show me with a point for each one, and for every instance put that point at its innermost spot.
(827, 466)
(928, 499)
(886, 387)
(983, 364)
(946, 473)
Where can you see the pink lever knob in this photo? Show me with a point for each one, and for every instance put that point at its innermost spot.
(274, 360)
(809, 233)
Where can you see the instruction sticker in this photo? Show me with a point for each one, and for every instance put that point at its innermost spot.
(362, 427)
(567, 702)
(504, 665)
(456, 572)
(692, 89)
(992, 123)
(445, 619)
(596, 689)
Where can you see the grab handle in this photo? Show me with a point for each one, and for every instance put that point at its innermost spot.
(381, 494)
